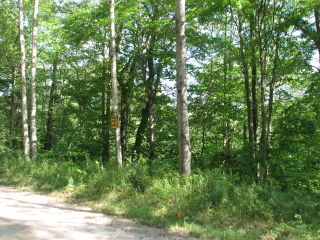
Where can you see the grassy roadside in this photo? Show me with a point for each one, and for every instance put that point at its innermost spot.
(209, 205)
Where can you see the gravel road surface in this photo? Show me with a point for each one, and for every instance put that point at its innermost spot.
(29, 216)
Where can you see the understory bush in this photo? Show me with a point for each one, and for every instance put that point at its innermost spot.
(202, 198)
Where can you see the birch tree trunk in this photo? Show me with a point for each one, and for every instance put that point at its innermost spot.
(26, 143)
(33, 126)
(114, 82)
(182, 105)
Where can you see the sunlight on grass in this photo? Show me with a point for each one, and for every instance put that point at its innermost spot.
(208, 206)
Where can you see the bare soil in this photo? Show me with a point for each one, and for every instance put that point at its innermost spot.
(26, 215)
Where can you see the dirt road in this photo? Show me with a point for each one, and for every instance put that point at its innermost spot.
(25, 215)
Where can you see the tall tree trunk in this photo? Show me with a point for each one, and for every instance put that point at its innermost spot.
(245, 70)
(49, 135)
(317, 19)
(249, 101)
(108, 116)
(43, 106)
(33, 126)
(26, 142)
(254, 99)
(145, 113)
(151, 86)
(182, 104)
(225, 123)
(114, 82)
(13, 107)
(105, 115)
(125, 113)
(151, 137)
(124, 104)
(254, 91)
(271, 97)
(263, 140)
(105, 107)
(263, 41)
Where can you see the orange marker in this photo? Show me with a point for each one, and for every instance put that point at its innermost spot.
(178, 214)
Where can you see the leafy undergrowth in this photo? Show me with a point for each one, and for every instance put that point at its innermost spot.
(207, 205)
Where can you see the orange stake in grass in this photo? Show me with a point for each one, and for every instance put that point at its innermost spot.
(178, 214)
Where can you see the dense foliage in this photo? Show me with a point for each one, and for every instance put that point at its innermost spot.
(254, 113)
(209, 204)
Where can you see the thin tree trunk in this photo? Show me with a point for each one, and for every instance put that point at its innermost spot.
(49, 135)
(33, 126)
(105, 122)
(245, 70)
(225, 122)
(103, 119)
(254, 99)
(124, 115)
(151, 141)
(108, 116)
(254, 91)
(248, 96)
(114, 82)
(262, 163)
(182, 104)
(26, 143)
(124, 104)
(270, 103)
(105, 107)
(43, 106)
(263, 141)
(317, 19)
(153, 92)
(203, 138)
(13, 107)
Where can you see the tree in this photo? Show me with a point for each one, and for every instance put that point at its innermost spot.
(182, 105)
(317, 23)
(33, 126)
(114, 82)
(23, 83)
(49, 131)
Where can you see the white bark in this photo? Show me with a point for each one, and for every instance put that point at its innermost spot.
(114, 82)
(33, 126)
(182, 104)
(23, 84)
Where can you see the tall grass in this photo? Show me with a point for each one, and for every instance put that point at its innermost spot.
(208, 204)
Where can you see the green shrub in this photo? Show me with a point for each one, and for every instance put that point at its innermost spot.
(202, 198)
(139, 177)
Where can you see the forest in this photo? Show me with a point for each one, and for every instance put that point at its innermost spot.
(200, 115)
